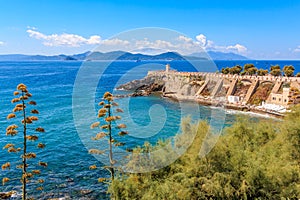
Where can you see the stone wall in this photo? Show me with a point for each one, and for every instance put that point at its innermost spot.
(199, 85)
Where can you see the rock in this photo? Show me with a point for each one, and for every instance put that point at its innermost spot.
(85, 192)
(6, 195)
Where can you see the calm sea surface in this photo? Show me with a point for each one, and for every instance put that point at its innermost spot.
(51, 84)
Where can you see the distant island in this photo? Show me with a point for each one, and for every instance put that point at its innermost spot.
(122, 55)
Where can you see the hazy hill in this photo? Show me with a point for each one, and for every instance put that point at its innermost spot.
(121, 55)
(215, 55)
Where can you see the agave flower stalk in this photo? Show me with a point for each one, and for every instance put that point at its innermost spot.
(24, 103)
(107, 129)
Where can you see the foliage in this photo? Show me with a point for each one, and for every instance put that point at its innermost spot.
(288, 70)
(225, 70)
(250, 69)
(243, 73)
(236, 69)
(251, 160)
(273, 67)
(233, 70)
(28, 169)
(275, 70)
(262, 72)
(248, 66)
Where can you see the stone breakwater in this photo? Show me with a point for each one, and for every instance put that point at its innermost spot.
(249, 93)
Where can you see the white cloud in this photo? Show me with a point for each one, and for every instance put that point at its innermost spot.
(143, 43)
(182, 44)
(297, 49)
(1, 43)
(156, 44)
(114, 42)
(151, 47)
(202, 39)
(238, 48)
(70, 40)
(162, 44)
(210, 45)
(185, 39)
(94, 39)
(186, 45)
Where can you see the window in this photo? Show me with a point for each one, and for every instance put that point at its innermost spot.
(274, 98)
(279, 99)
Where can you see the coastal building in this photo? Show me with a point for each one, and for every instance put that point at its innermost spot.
(233, 99)
(280, 99)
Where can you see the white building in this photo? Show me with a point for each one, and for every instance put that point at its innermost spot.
(234, 99)
(280, 99)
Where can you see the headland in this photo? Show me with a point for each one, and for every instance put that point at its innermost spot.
(268, 94)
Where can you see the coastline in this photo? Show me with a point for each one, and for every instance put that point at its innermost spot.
(267, 95)
(228, 107)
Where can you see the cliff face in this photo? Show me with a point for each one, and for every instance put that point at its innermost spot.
(169, 85)
(180, 86)
(213, 87)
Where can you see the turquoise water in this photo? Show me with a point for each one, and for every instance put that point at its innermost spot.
(51, 84)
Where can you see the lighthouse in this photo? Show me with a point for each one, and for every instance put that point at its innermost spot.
(167, 68)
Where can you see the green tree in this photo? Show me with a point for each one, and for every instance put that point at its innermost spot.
(298, 74)
(250, 69)
(28, 170)
(288, 70)
(248, 66)
(276, 72)
(225, 70)
(262, 72)
(273, 67)
(236, 69)
(108, 130)
(251, 160)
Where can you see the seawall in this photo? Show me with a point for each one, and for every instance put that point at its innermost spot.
(233, 91)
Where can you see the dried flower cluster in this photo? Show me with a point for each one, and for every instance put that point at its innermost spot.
(109, 127)
(22, 97)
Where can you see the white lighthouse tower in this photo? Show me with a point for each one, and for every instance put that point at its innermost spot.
(167, 68)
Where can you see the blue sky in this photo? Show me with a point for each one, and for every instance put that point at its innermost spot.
(256, 29)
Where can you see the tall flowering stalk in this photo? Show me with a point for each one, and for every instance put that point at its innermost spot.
(107, 130)
(22, 104)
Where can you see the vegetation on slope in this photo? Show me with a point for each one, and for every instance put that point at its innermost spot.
(251, 160)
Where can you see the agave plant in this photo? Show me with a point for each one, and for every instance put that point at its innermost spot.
(108, 129)
(24, 109)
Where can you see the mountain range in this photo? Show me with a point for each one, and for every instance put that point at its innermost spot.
(121, 55)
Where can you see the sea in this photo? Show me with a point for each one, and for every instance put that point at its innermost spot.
(53, 84)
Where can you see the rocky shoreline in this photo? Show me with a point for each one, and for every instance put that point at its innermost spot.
(149, 86)
(270, 95)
